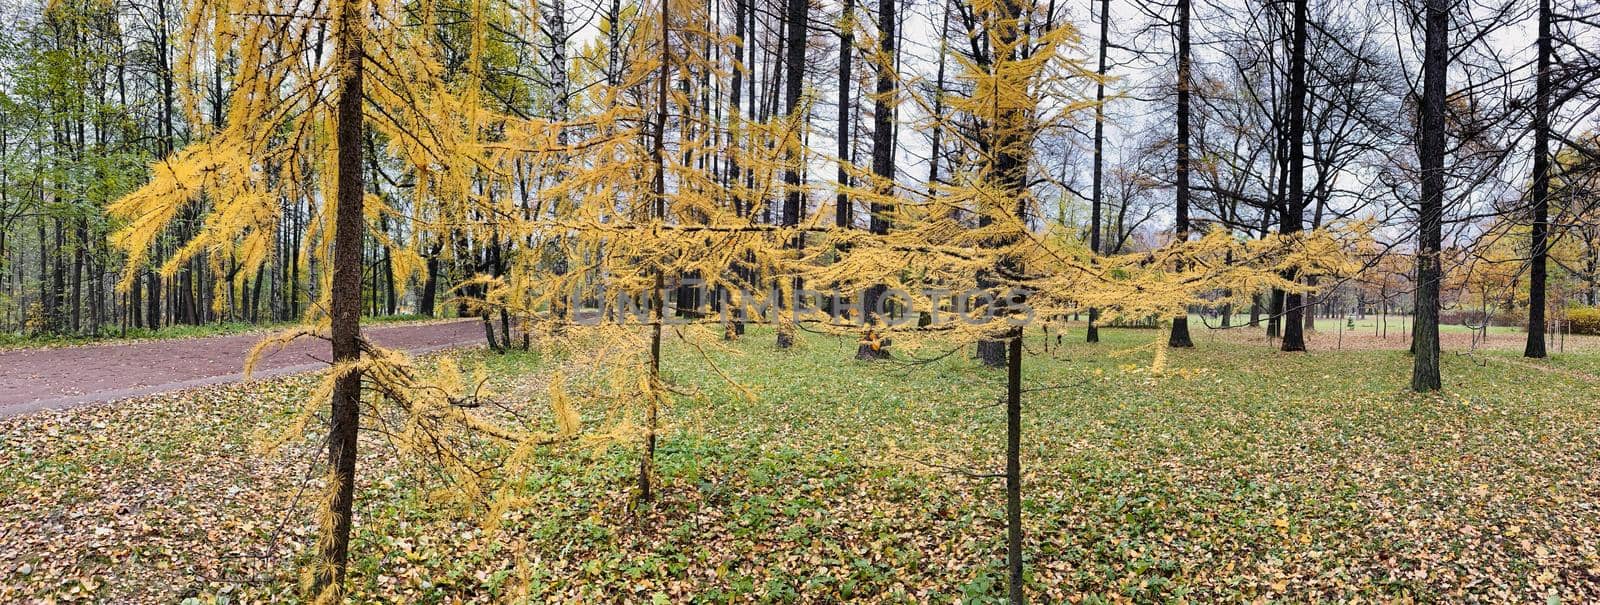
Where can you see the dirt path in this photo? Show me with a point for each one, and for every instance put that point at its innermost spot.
(54, 378)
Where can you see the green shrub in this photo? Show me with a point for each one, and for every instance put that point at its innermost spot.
(1584, 320)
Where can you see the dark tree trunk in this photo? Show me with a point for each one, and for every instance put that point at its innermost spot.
(345, 310)
(1540, 192)
(297, 231)
(1275, 314)
(136, 301)
(1099, 154)
(657, 304)
(80, 235)
(653, 409)
(1293, 326)
(46, 299)
(936, 146)
(430, 283)
(736, 327)
(882, 167)
(1014, 467)
(1312, 305)
(1431, 149)
(391, 302)
(842, 209)
(488, 332)
(1008, 142)
(153, 311)
(255, 297)
(798, 16)
(1180, 325)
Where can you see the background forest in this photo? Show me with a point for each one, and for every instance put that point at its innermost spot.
(95, 92)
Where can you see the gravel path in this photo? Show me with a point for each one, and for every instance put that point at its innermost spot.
(56, 378)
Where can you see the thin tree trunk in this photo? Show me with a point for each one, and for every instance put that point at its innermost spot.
(842, 209)
(80, 233)
(1014, 467)
(345, 309)
(936, 151)
(657, 304)
(430, 281)
(735, 327)
(1099, 154)
(652, 399)
(153, 311)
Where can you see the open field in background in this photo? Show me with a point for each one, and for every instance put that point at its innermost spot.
(13, 340)
(1368, 325)
(1240, 474)
(1335, 334)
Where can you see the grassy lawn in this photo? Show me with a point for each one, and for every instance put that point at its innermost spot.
(1239, 475)
(1366, 325)
(15, 340)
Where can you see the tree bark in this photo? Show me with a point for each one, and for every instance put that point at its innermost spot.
(798, 15)
(842, 211)
(657, 304)
(1099, 154)
(430, 282)
(153, 310)
(1014, 468)
(1293, 324)
(1180, 325)
(882, 166)
(1431, 151)
(1540, 192)
(345, 309)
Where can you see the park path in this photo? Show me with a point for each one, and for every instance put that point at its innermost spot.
(64, 377)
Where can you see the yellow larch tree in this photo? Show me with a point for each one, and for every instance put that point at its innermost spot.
(313, 82)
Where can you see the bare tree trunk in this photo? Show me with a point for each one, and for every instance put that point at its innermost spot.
(1431, 149)
(345, 310)
(647, 462)
(136, 300)
(657, 304)
(936, 151)
(842, 211)
(735, 327)
(1275, 314)
(882, 165)
(153, 311)
(1014, 468)
(1180, 325)
(1293, 324)
(80, 234)
(430, 282)
(1540, 192)
(1099, 154)
(798, 20)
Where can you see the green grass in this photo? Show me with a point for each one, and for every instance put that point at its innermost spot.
(1241, 474)
(1366, 325)
(15, 340)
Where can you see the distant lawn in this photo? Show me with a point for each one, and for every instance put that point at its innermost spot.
(15, 340)
(1241, 475)
(1395, 323)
